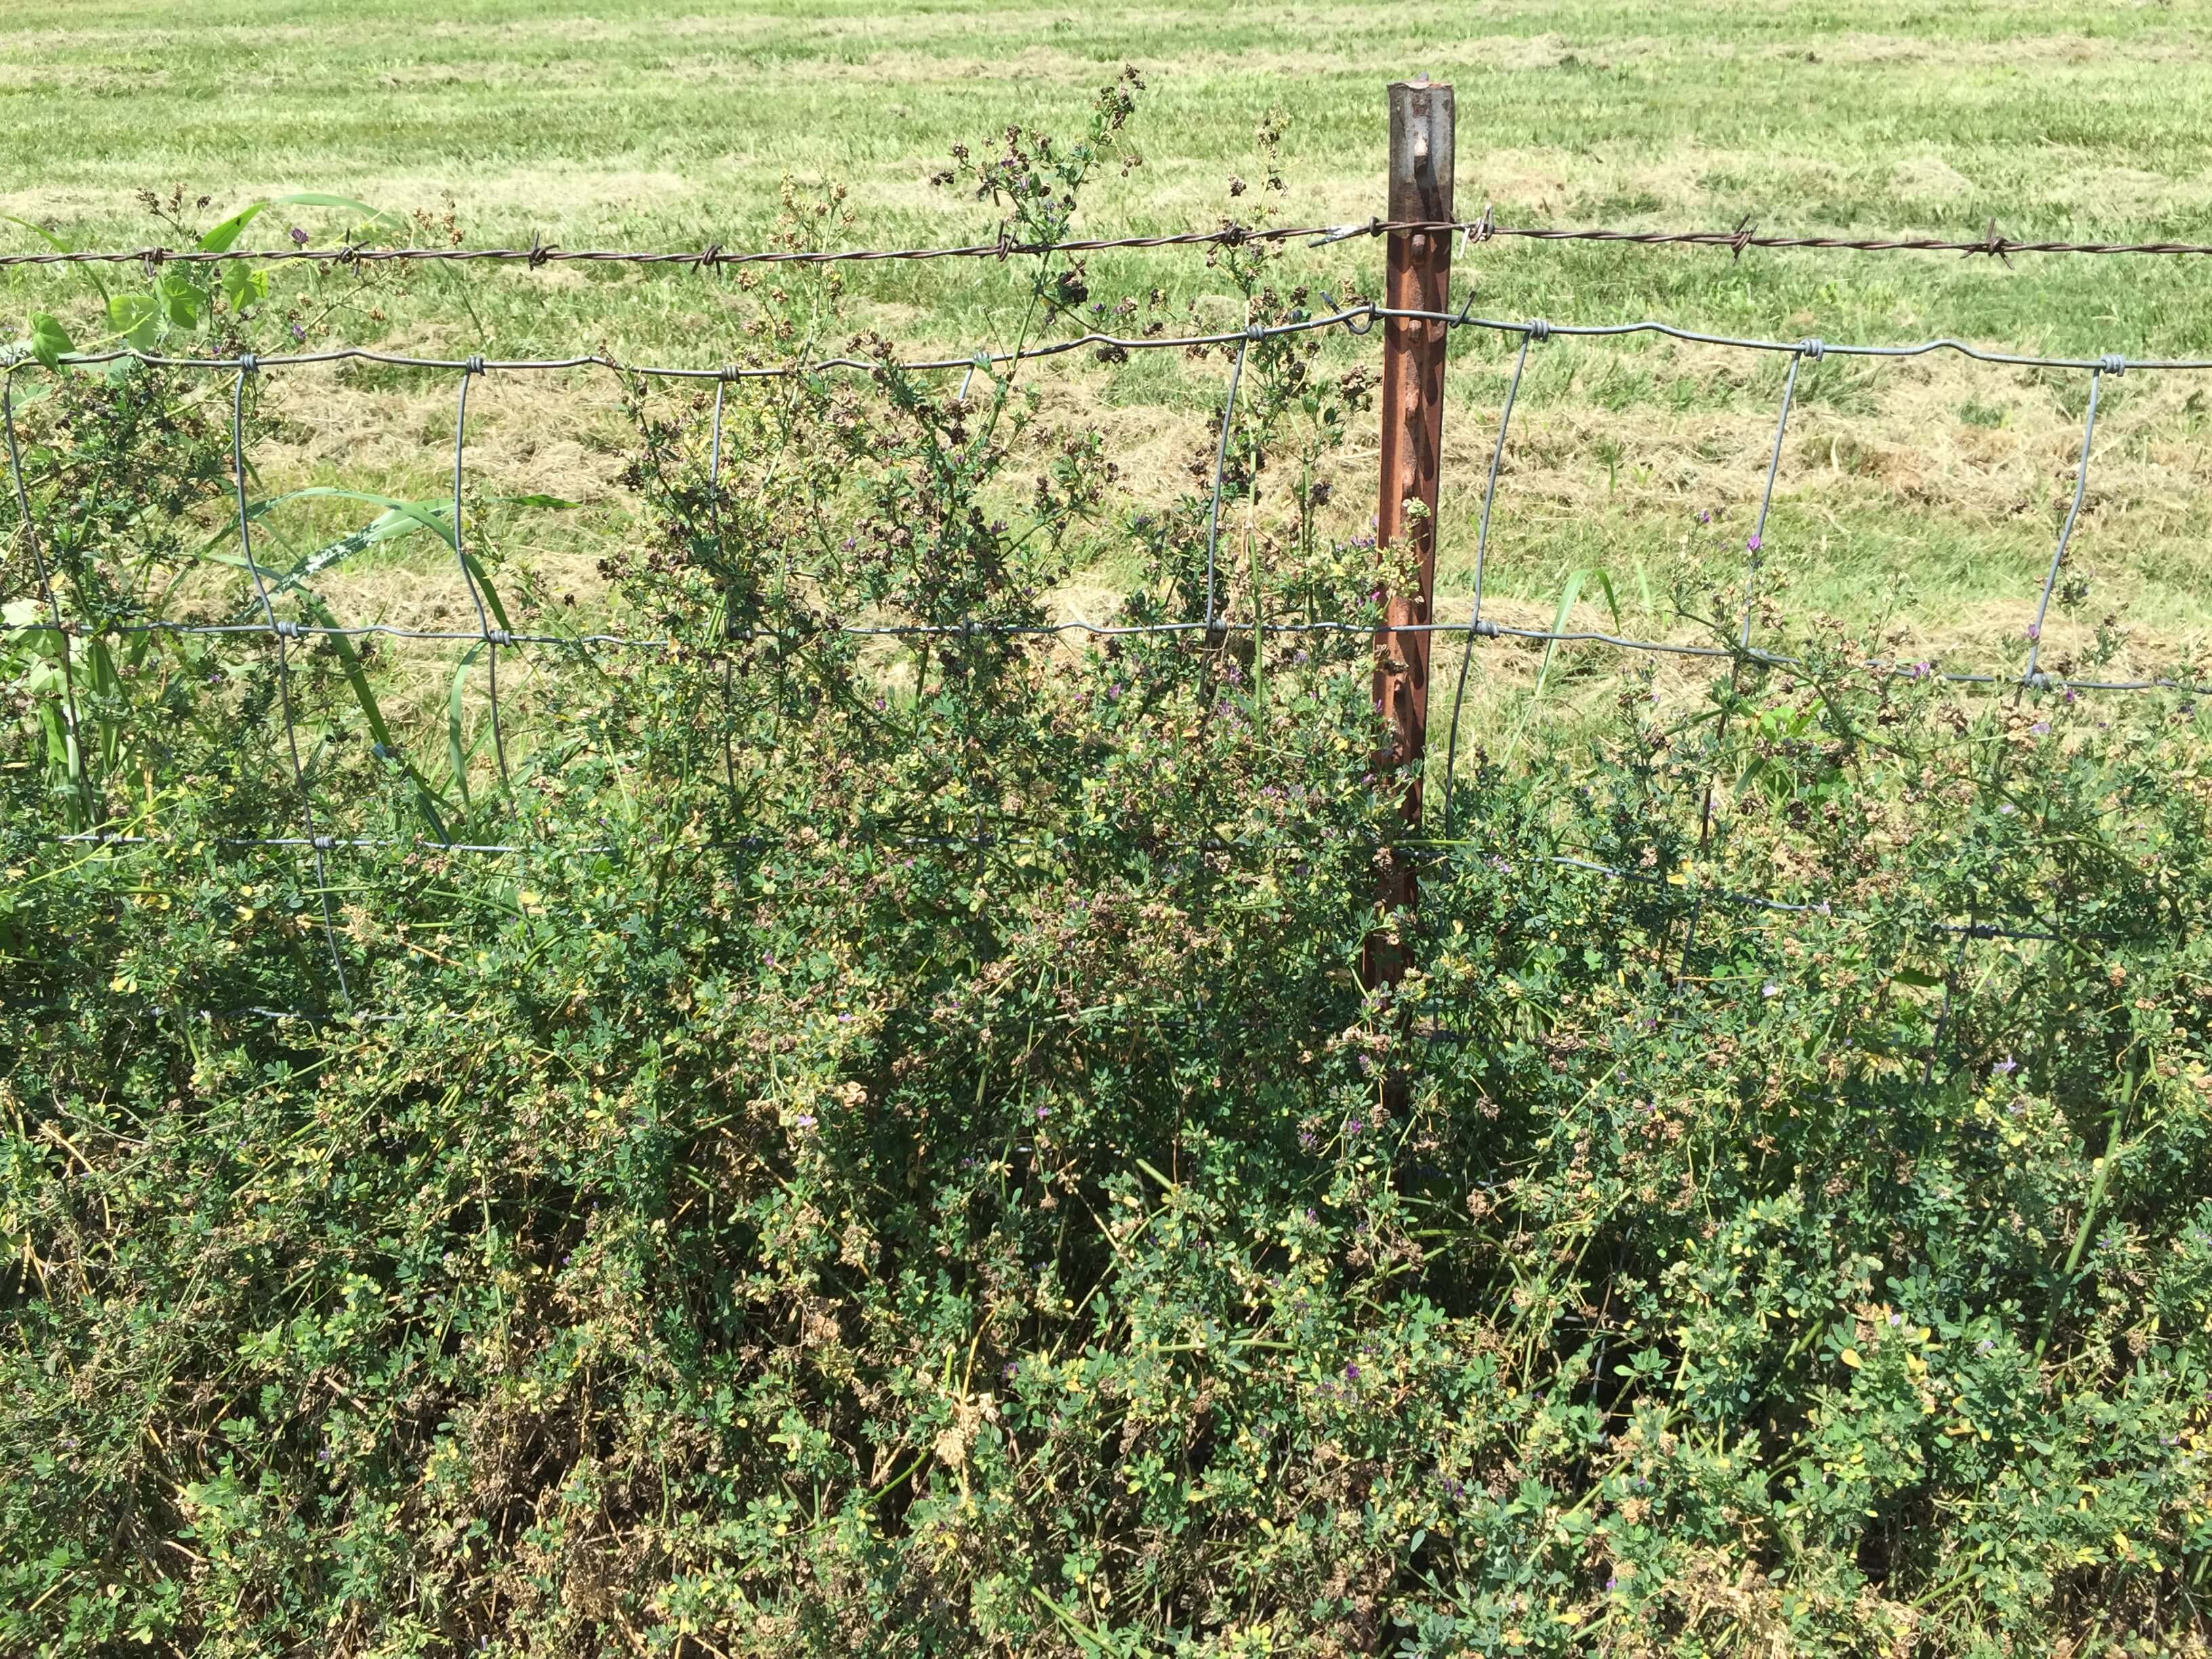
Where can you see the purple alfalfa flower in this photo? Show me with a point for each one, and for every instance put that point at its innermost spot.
(1704, 515)
(1753, 544)
(299, 237)
(805, 1120)
(1352, 1373)
(298, 335)
(2033, 632)
(2041, 728)
(1043, 1112)
(2004, 1067)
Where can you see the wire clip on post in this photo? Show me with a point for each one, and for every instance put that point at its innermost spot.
(1417, 277)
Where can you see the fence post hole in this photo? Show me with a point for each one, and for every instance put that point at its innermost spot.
(1417, 277)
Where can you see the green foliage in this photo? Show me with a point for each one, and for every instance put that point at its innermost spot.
(901, 1161)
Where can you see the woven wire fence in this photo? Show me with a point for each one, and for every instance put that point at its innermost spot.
(492, 635)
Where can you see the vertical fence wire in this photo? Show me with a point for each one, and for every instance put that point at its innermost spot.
(492, 637)
(2110, 366)
(1754, 547)
(729, 621)
(75, 758)
(283, 631)
(1481, 559)
(1220, 468)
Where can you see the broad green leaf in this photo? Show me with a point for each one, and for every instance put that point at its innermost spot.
(244, 286)
(50, 341)
(136, 319)
(224, 236)
(182, 299)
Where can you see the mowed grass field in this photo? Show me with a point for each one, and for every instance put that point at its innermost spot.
(1918, 500)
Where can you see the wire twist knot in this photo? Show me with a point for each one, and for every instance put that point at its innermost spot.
(2112, 363)
(1812, 350)
(1538, 331)
(474, 364)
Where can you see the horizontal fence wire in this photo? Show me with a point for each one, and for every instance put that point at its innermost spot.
(1991, 243)
(1356, 318)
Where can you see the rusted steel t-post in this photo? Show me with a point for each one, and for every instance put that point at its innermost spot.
(1417, 277)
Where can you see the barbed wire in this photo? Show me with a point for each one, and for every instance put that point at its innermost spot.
(1746, 236)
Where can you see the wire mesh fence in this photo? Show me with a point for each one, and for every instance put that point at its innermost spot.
(327, 830)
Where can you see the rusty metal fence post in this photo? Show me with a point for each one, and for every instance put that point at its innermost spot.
(1417, 277)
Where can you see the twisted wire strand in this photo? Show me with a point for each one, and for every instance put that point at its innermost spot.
(714, 257)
